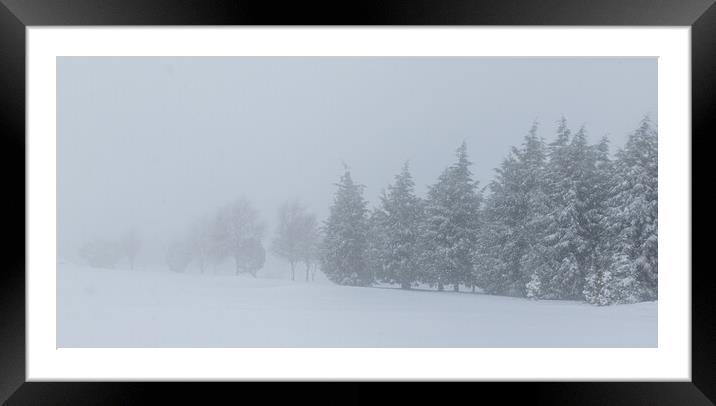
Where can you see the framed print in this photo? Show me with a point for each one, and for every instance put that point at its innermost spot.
(424, 193)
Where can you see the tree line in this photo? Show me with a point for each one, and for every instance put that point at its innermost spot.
(106, 253)
(560, 220)
(236, 232)
(233, 232)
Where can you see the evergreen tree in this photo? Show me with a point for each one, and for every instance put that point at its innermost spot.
(345, 245)
(450, 230)
(632, 220)
(377, 244)
(492, 263)
(511, 219)
(562, 256)
(398, 222)
(599, 273)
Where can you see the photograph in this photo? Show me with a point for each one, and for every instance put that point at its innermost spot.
(494, 194)
(357, 202)
(210, 197)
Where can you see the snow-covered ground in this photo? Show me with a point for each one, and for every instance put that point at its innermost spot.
(119, 308)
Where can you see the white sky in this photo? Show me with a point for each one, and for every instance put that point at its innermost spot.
(156, 142)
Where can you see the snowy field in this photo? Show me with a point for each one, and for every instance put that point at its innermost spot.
(118, 308)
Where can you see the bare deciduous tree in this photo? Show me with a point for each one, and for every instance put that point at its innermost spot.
(287, 242)
(178, 256)
(251, 256)
(201, 242)
(131, 244)
(310, 245)
(296, 236)
(238, 234)
(100, 253)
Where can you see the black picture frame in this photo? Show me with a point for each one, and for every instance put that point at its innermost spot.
(16, 15)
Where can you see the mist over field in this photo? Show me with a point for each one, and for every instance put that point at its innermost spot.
(205, 190)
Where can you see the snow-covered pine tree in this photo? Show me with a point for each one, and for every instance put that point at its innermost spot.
(543, 260)
(599, 273)
(344, 257)
(377, 243)
(633, 219)
(400, 217)
(493, 272)
(560, 260)
(511, 219)
(449, 232)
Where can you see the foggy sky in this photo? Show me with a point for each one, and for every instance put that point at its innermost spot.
(154, 143)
